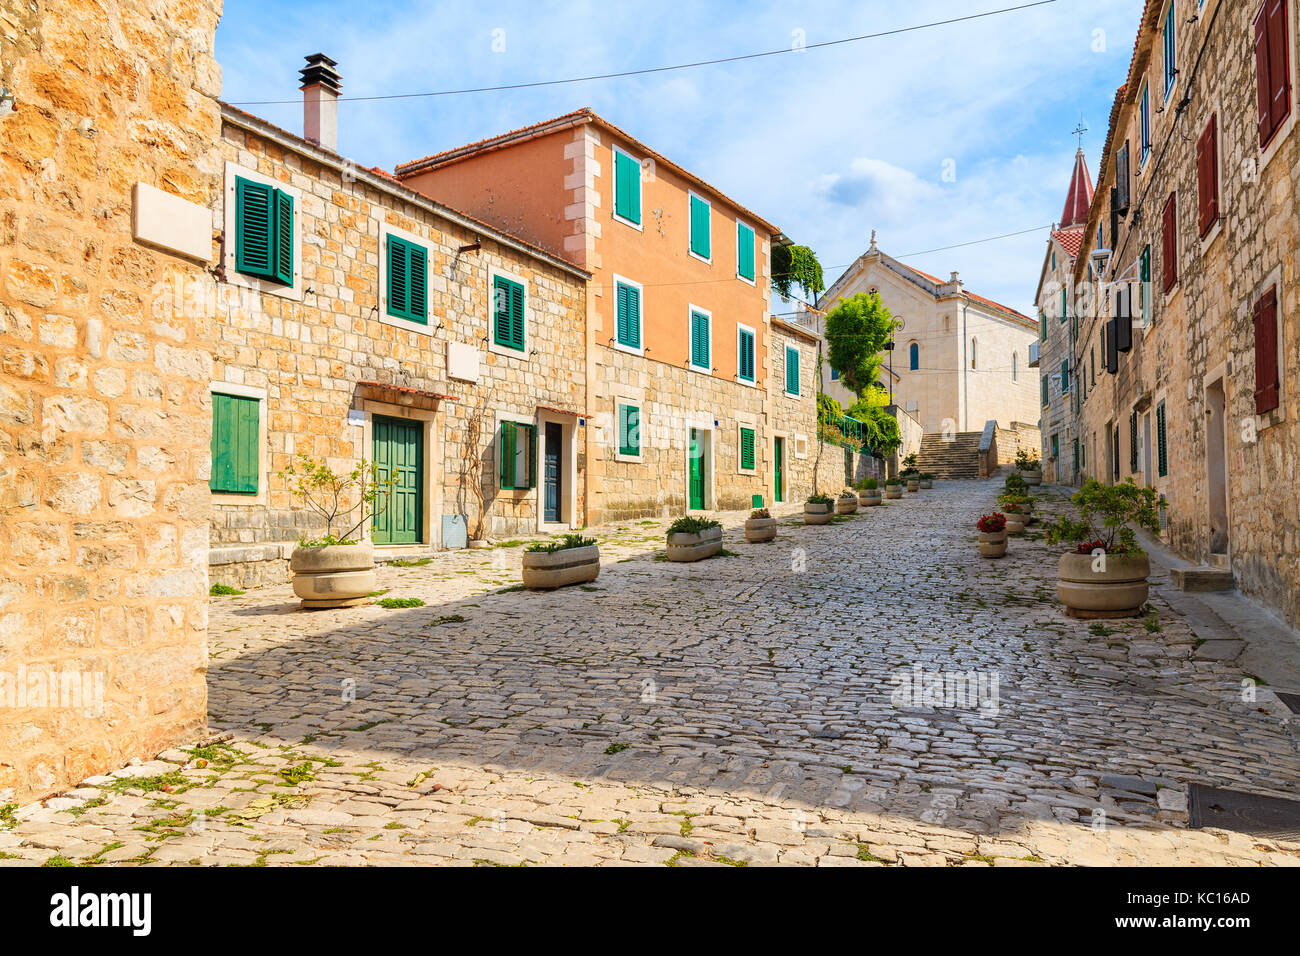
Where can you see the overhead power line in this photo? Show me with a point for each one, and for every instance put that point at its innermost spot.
(677, 66)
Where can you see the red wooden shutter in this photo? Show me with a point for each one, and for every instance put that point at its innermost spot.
(1169, 262)
(1263, 76)
(1207, 174)
(1278, 61)
(1267, 377)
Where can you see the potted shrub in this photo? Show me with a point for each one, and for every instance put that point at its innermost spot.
(1030, 467)
(1015, 484)
(869, 495)
(993, 535)
(847, 503)
(1010, 498)
(761, 526)
(336, 569)
(893, 487)
(818, 509)
(927, 480)
(1016, 518)
(1105, 574)
(571, 559)
(692, 539)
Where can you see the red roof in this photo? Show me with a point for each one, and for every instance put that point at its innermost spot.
(1071, 240)
(1079, 198)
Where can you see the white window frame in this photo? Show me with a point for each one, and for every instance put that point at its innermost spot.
(785, 384)
(754, 428)
(1168, 18)
(526, 354)
(614, 342)
(690, 225)
(740, 327)
(640, 445)
(263, 459)
(754, 233)
(233, 275)
(690, 361)
(615, 149)
(385, 230)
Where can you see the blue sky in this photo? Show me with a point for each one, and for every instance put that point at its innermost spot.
(931, 138)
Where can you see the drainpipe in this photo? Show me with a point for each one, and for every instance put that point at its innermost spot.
(965, 369)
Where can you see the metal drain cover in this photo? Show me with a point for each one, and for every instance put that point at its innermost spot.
(1250, 813)
(1292, 701)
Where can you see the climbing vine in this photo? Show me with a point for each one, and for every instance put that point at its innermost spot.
(796, 266)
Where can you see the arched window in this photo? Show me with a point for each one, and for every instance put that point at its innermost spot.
(972, 354)
(914, 356)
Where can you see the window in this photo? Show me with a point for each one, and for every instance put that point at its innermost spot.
(407, 281)
(746, 449)
(518, 456)
(1272, 69)
(1162, 455)
(701, 344)
(1015, 371)
(791, 370)
(1207, 175)
(701, 228)
(1065, 376)
(263, 231)
(1056, 447)
(627, 297)
(914, 357)
(835, 375)
(508, 313)
(1144, 286)
(1133, 442)
(972, 353)
(745, 354)
(1169, 237)
(1145, 109)
(235, 460)
(629, 430)
(744, 252)
(1268, 377)
(627, 188)
(1042, 326)
(1065, 311)
(1171, 48)
(1043, 381)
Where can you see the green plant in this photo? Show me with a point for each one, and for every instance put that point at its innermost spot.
(1109, 518)
(820, 499)
(349, 498)
(399, 602)
(1014, 498)
(691, 525)
(796, 266)
(1026, 461)
(847, 493)
(760, 513)
(1015, 483)
(560, 544)
(992, 524)
(223, 590)
(857, 331)
(869, 484)
(893, 480)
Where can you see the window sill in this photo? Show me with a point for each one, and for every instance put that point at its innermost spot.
(748, 383)
(1280, 136)
(695, 255)
(745, 280)
(1214, 232)
(621, 347)
(700, 370)
(628, 459)
(627, 222)
(508, 352)
(407, 324)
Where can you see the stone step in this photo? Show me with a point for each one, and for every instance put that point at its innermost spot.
(1202, 579)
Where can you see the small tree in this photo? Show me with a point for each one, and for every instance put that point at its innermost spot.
(857, 331)
(349, 499)
(1109, 516)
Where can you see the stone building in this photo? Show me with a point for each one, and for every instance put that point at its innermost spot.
(1196, 334)
(1060, 451)
(109, 129)
(960, 360)
(680, 348)
(398, 330)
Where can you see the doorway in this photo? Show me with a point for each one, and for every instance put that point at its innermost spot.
(778, 475)
(553, 473)
(696, 481)
(1148, 478)
(399, 454)
(1216, 466)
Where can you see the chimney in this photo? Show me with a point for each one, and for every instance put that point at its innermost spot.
(320, 101)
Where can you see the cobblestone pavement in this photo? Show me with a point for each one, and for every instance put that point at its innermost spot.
(742, 710)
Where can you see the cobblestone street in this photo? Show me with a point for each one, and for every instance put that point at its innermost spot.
(741, 710)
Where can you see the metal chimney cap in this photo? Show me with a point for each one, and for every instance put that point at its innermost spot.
(320, 70)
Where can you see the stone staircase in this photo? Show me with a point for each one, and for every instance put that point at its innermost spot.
(957, 457)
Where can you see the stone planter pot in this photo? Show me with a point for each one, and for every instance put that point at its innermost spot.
(993, 545)
(1015, 522)
(556, 569)
(1120, 590)
(869, 499)
(846, 506)
(927, 482)
(893, 491)
(478, 544)
(914, 485)
(694, 547)
(760, 529)
(817, 514)
(1032, 477)
(337, 575)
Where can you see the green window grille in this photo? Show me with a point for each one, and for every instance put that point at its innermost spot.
(235, 428)
(791, 370)
(628, 319)
(745, 355)
(627, 188)
(744, 251)
(263, 231)
(508, 313)
(518, 456)
(700, 345)
(747, 449)
(629, 430)
(701, 239)
(408, 284)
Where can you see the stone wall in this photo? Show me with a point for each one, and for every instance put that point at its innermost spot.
(324, 358)
(103, 388)
(1016, 438)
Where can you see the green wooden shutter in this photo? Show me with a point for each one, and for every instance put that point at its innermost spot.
(507, 455)
(1162, 458)
(629, 430)
(530, 454)
(399, 278)
(1046, 394)
(792, 370)
(747, 449)
(508, 312)
(701, 240)
(1042, 326)
(234, 445)
(700, 356)
(254, 228)
(629, 315)
(745, 360)
(627, 188)
(283, 237)
(744, 251)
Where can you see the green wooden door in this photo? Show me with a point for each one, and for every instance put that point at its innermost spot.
(399, 450)
(696, 480)
(778, 453)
